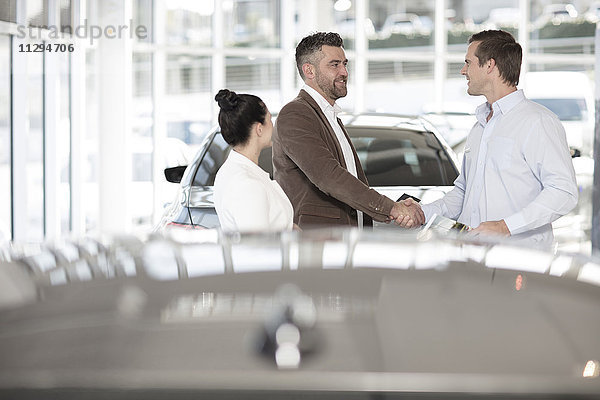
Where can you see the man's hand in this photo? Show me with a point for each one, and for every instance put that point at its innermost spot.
(407, 213)
(492, 228)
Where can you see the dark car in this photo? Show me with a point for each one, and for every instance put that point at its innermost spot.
(399, 155)
(325, 314)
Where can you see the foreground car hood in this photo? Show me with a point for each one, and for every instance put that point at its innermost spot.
(461, 328)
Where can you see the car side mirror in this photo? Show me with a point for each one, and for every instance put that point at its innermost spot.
(174, 174)
(575, 152)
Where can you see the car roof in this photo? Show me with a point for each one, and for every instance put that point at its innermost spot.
(382, 120)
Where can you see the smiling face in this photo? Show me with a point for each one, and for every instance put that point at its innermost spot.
(477, 78)
(331, 74)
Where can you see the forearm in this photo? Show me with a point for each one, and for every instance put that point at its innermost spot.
(449, 206)
(548, 206)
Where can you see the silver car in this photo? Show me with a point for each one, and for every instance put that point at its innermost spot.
(399, 154)
(323, 314)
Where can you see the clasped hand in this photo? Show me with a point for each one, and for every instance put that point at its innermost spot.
(407, 213)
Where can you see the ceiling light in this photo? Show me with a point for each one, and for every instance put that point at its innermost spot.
(342, 5)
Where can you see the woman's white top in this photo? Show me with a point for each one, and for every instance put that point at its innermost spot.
(246, 199)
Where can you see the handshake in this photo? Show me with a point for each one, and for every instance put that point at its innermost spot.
(407, 213)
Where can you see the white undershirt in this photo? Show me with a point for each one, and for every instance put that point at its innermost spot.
(331, 112)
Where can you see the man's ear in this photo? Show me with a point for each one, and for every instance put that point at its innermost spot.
(308, 70)
(491, 64)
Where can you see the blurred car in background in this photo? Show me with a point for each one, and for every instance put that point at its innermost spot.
(569, 95)
(322, 314)
(556, 14)
(593, 12)
(399, 154)
(504, 17)
(347, 28)
(406, 24)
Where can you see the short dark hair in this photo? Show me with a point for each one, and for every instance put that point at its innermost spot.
(502, 47)
(237, 115)
(309, 47)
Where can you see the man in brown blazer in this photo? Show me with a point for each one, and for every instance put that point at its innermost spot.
(313, 158)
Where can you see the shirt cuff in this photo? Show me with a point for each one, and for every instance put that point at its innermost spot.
(434, 208)
(515, 223)
(428, 211)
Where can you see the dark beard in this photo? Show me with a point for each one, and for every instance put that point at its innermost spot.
(330, 90)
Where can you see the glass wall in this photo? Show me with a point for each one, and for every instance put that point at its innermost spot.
(143, 12)
(35, 147)
(90, 193)
(66, 24)
(251, 23)
(8, 11)
(142, 146)
(64, 145)
(37, 13)
(5, 142)
(189, 23)
(408, 83)
(259, 76)
(402, 24)
(188, 106)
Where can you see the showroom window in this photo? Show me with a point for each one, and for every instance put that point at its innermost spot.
(189, 23)
(259, 76)
(35, 146)
(142, 146)
(37, 13)
(64, 145)
(90, 173)
(5, 142)
(251, 23)
(8, 11)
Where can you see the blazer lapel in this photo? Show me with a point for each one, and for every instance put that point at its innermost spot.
(333, 138)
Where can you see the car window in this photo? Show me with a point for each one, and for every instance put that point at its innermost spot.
(215, 156)
(565, 109)
(390, 157)
(394, 157)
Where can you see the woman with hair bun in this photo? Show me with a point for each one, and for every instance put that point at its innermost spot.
(246, 199)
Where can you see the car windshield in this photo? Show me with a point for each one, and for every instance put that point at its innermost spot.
(565, 109)
(390, 157)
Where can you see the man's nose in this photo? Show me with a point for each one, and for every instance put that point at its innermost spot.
(463, 70)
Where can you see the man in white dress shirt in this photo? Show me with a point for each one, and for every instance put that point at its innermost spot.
(517, 175)
(314, 160)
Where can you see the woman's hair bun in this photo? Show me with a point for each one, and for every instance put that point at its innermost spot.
(227, 99)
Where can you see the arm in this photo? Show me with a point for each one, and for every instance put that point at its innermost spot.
(299, 134)
(547, 154)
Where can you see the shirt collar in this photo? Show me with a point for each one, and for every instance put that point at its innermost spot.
(246, 162)
(323, 104)
(500, 106)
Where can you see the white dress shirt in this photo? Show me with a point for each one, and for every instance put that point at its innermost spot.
(247, 200)
(516, 167)
(331, 112)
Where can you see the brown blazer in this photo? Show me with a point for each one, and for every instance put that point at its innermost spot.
(309, 165)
